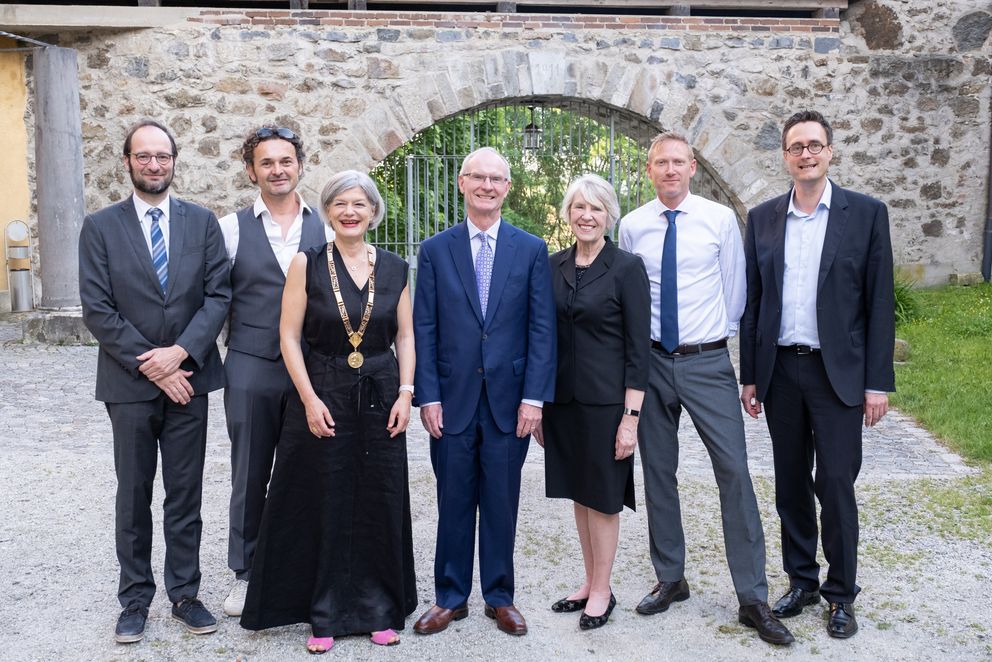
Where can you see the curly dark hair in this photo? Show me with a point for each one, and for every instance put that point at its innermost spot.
(270, 132)
(807, 116)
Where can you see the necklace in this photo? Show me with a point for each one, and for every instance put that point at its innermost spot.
(355, 359)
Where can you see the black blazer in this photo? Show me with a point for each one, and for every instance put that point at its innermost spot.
(604, 326)
(855, 304)
(123, 304)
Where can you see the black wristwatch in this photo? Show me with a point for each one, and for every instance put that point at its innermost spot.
(627, 411)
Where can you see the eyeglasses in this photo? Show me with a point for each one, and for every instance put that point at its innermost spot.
(144, 158)
(796, 149)
(479, 179)
(280, 132)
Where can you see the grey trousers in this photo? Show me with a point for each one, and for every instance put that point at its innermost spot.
(254, 401)
(705, 384)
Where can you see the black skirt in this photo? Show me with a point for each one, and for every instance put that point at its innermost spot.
(335, 547)
(579, 451)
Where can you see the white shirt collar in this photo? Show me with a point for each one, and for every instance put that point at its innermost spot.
(260, 205)
(141, 207)
(824, 200)
(684, 206)
(492, 232)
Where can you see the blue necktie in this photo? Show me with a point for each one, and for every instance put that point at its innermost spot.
(669, 287)
(483, 270)
(159, 259)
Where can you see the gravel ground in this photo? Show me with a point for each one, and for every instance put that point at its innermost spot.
(924, 592)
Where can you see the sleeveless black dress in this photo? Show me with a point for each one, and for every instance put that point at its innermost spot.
(335, 547)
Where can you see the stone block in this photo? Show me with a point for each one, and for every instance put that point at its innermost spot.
(547, 72)
(966, 278)
(57, 329)
(900, 353)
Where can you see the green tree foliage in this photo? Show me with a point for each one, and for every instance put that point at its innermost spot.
(419, 179)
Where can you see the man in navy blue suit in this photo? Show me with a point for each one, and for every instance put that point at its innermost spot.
(484, 321)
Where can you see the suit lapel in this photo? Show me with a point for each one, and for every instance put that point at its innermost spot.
(599, 266)
(177, 236)
(567, 267)
(778, 240)
(136, 235)
(461, 255)
(836, 223)
(506, 250)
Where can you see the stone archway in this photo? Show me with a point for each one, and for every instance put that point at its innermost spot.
(644, 97)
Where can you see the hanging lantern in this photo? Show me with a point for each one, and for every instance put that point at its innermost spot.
(532, 133)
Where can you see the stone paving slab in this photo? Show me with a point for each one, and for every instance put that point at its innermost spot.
(924, 594)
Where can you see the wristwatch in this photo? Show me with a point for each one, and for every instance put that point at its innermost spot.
(627, 411)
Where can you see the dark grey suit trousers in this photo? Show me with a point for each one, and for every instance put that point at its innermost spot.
(705, 384)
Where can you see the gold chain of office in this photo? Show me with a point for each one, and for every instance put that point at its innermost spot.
(355, 359)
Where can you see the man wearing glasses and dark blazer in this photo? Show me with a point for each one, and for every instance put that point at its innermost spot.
(155, 288)
(817, 338)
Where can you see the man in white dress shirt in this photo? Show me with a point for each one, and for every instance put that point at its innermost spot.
(261, 241)
(693, 254)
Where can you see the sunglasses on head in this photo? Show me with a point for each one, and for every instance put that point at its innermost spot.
(281, 132)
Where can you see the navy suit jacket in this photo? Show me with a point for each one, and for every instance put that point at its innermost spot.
(124, 307)
(855, 304)
(512, 349)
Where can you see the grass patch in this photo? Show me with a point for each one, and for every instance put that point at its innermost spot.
(945, 383)
(962, 509)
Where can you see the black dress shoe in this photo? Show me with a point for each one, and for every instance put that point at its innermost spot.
(792, 603)
(662, 596)
(565, 605)
(587, 622)
(191, 613)
(761, 618)
(131, 625)
(842, 623)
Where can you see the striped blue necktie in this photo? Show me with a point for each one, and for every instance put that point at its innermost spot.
(159, 259)
(669, 287)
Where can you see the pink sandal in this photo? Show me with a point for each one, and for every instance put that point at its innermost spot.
(325, 644)
(385, 638)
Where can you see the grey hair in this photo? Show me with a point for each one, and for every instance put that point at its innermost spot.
(596, 190)
(345, 181)
(671, 135)
(481, 150)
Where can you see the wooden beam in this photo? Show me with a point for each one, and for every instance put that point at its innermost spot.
(506, 7)
(358, 5)
(149, 3)
(678, 10)
(299, 4)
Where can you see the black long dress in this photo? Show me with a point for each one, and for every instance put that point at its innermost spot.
(335, 547)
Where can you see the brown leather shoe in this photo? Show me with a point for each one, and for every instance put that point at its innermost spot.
(508, 619)
(437, 619)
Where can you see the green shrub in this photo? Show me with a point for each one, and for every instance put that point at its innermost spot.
(907, 300)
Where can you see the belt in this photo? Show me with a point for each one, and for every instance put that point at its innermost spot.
(799, 350)
(682, 350)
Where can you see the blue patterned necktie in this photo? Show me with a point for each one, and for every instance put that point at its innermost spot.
(159, 259)
(669, 287)
(483, 270)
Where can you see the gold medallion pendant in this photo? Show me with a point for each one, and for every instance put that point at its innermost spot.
(355, 359)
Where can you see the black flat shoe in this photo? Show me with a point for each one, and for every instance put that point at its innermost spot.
(565, 605)
(587, 622)
(792, 603)
(842, 623)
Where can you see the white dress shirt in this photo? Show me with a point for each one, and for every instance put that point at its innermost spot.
(284, 249)
(804, 235)
(142, 208)
(711, 275)
(474, 232)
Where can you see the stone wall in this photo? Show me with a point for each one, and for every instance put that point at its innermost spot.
(905, 83)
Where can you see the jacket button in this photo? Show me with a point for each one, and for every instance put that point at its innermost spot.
(480, 370)
(485, 336)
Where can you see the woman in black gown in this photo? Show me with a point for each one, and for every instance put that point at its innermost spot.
(335, 548)
(590, 430)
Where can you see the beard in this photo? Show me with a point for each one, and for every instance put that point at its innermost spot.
(143, 185)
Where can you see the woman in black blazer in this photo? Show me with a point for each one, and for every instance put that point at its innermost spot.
(590, 430)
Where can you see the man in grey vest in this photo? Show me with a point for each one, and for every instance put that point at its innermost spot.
(261, 241)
